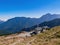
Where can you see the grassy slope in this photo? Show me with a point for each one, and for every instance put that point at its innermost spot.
(49, 37)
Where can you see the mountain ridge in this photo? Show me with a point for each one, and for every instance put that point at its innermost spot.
(18, 23)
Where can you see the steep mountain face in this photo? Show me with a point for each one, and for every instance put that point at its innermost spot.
(18, 23)
(53, 23)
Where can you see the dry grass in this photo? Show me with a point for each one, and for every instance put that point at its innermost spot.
(49, 37)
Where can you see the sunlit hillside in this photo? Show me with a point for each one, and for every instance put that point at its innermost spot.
(49, 37)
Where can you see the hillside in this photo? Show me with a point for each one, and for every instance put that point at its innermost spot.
(52, 23)
(49, 37)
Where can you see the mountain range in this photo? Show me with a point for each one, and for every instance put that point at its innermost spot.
(18, 23)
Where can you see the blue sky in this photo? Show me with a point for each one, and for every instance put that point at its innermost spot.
(28, 8)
